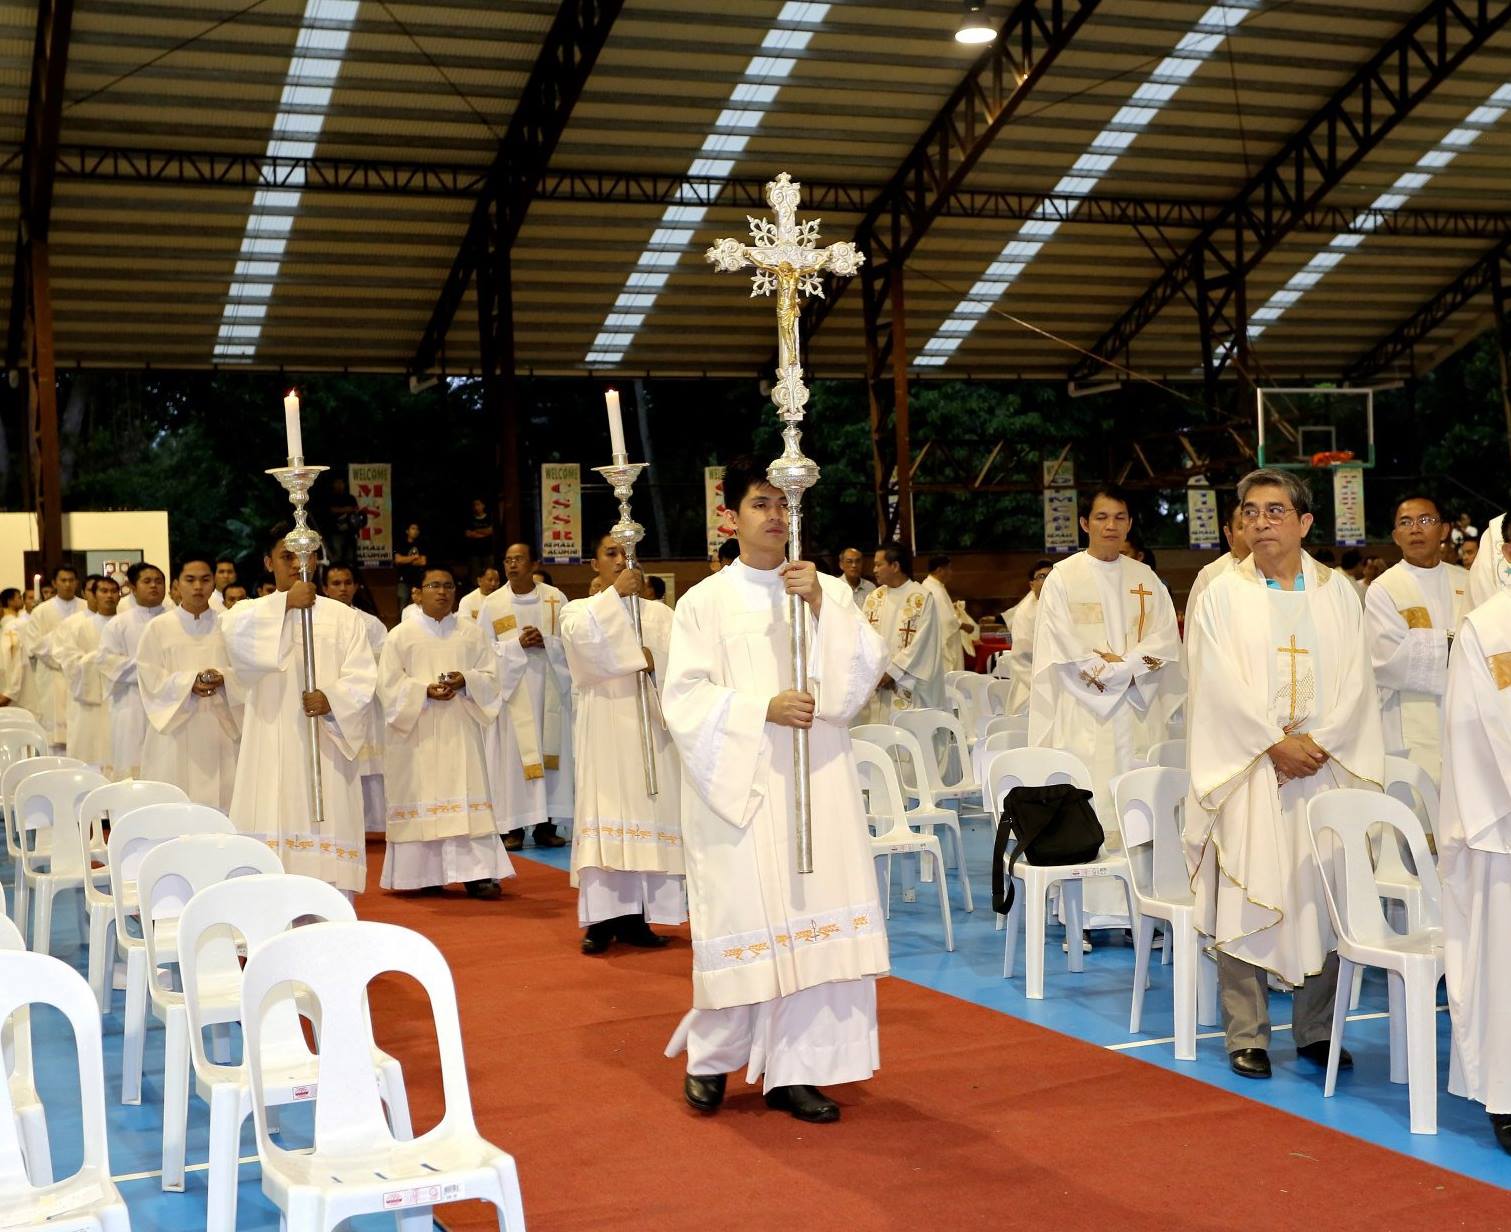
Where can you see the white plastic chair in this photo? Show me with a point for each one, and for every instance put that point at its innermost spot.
(1039, 767)
(255, 908)
(100, 806)
(14, 714)
(22, 739)
(48, 803)
(357, 1164)
(902, 747)
(1171, 753)
(88, 1199)
(997, 742)
(894, 837)
(11, 778)
(999, 693)
(942, 733)
(15, 1044)
(132, 836)
(971, 686)
(169, 876)
(1413, 961)
(1148, 803)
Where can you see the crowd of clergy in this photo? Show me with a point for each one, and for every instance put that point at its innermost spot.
(513, 709)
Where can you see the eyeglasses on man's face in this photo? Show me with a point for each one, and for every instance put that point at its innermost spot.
(439, 586)
(1426, 521)
(1273, 514)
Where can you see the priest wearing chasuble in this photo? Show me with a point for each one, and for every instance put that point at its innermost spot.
(784, 965)
(1474, 857)
(1283, 708)
(905, 617)
(1411, 613)
(1105, 637)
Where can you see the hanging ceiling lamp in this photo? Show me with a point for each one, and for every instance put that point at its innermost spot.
(974, 28)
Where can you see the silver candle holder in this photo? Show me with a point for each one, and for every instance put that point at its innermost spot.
(628, 533)
(304, 542)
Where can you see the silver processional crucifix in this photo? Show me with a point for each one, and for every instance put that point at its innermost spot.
(788, 261)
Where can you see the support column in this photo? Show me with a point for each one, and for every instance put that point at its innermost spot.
(900, 408)
(871, 297)
(42, 406)
(495, 322)
(1502, 340)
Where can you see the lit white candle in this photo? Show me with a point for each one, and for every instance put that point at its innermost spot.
(291, 424)
(616, 425)
(36, 587)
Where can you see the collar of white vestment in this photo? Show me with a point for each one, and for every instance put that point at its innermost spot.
(1314, 575)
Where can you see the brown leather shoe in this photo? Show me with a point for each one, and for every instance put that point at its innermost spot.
(514, 840)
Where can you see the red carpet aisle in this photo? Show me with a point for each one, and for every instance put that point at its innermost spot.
(975, 1120)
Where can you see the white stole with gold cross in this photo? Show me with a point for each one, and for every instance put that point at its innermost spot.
(539, 748)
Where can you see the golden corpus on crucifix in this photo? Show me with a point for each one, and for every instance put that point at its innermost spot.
(788, 261)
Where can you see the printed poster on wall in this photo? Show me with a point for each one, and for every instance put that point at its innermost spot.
(1061, 529)
(1348, 506)
(371, 486)
(561, 513)
(719, 521)
(1201, 516)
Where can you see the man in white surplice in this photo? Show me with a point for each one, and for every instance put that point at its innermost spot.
(438, 681)
(1411, 614)
(900, 611)
(76, 648)
(36, 642)
(1019, 659)
(1490, 572)
(1283, 708)
(471, 605)
(1237, 553)
(1104, 636)
(118, 647)
(1474, 856)
(626, 845)
(341, 585)
(265, 641)
(184, 677)
(784, 965)
(531, 752)
(952, 635)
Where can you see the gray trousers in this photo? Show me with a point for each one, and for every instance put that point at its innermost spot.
(1244, 993)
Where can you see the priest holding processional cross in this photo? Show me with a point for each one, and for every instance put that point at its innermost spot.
(788, 932)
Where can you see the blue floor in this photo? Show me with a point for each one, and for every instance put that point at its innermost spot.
(1093, 1005)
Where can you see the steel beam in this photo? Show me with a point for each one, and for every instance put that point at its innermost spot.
(1498, 290)
(500, 382)
(566, 60)
(1402, 340)
(1404, 72)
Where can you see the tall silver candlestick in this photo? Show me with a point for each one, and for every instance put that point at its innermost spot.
(304, 542)
(627, 533)
(788, 261)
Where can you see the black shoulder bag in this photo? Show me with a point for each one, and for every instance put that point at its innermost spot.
(1048, 825)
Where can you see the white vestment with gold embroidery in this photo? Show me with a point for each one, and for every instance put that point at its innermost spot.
(760, 930)
(441, 825)
(530, 755)
(264, 642)
(1268, 661)
(907, 620)
(1474, 853)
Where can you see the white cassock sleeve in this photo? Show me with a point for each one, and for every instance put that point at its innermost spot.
(79, 666)
(165, 692)
(1484, 574)
(481, 696)
(45, 646)
(1057, 650)
(602, 640)
(351, 693)
(1476, 752)
(117, 666)
(847, 659)
(1407, 660)
(12, 662)
(402, 695)
(920, 659)
(720, 732)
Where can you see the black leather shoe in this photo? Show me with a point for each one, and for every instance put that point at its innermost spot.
(1250, 1062)
(546, 836)
(514, 840)
(598, 938)
(1501, 1123)
(485, 888)
(705, 1092)
(1317, 1054)
(633, 930)
(805, 1103)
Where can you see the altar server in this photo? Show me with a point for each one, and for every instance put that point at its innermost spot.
(118, 651)
(36, 640)
(341, 585)
(76, 649)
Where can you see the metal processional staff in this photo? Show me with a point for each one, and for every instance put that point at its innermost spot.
(788, 261)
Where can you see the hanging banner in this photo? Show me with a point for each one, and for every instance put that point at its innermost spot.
(561, 513)
(718, 520)
(371, 486)
(1061, 528)
(1201, 516)
(1348, 506)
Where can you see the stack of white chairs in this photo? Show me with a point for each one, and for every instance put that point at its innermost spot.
(1340, 823)
(88, 1199)
(1040, 768)
(132, 836)
(1008, 737)
(972, 688)
(10, 779)
(215, 924)
(885, 811)
(96, 811)
(999, 694)
(1148, 808)
(15, 1047)
(358, 1164)
(52, 860)
(170, 875)
(946, 776)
